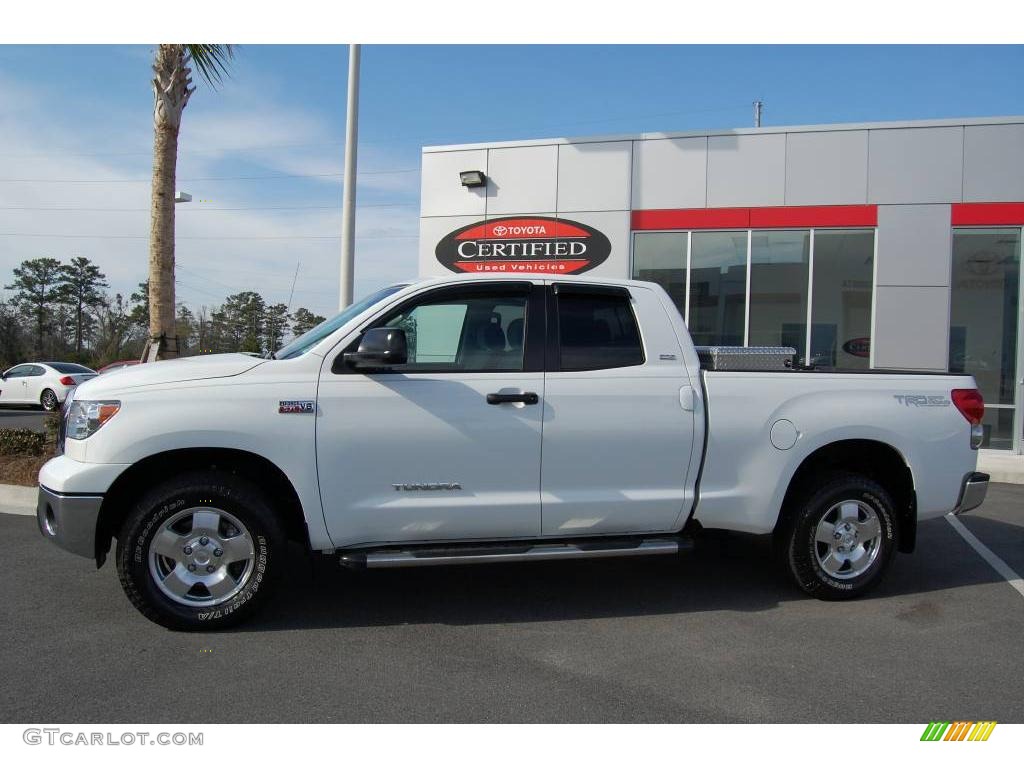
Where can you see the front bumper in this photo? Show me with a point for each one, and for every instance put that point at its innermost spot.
(69, 520)
(972, 492)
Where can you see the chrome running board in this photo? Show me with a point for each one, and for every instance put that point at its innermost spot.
(512, 553)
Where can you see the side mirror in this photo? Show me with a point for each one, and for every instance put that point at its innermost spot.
(379, 348)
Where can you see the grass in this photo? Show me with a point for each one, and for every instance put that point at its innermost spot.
(21, 470)
(23, 452)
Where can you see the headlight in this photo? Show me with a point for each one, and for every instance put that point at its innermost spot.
(86, 416)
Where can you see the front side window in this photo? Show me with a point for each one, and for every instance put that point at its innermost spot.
(18, 371)
(597, 331)
(478, 333)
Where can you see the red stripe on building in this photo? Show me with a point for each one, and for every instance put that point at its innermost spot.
(692, 218)
(980, 214)
(758, 218)
(815, 216)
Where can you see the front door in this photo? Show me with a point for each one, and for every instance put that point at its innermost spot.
(12, 388)
(447, 446)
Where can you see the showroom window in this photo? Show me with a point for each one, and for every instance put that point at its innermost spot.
(810, 289)
(660, 257)
(718, 287)
(983, 323)
(779, 268)
(844, 265)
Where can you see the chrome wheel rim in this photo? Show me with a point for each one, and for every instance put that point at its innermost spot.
(201, 556)
(49, 401)
(848, 539)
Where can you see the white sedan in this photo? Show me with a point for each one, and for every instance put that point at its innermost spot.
(45, 384)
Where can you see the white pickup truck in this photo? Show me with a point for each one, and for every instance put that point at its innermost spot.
(491, 419)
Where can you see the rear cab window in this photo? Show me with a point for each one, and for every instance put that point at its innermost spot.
(597, 328)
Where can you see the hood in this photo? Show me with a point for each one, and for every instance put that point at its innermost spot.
(169, 372)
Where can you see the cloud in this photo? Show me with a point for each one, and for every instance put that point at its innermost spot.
(219, 251)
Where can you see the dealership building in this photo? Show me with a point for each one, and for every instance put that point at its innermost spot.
(882, 245)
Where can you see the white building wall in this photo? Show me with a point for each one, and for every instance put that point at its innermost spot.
(913, 172)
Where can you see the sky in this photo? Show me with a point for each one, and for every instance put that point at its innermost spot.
(262, 155)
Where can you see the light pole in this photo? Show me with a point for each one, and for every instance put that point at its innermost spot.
(348, 193)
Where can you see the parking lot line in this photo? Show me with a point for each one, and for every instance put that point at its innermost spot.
(988, 555)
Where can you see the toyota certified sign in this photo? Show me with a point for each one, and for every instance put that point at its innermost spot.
(524, 244)
(859, 347)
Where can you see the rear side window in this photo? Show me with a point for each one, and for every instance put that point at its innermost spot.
(597, 331)
(69, 368)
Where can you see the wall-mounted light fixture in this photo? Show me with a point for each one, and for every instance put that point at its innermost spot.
(472, 179)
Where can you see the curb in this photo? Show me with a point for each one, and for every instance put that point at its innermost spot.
(18, 498)
(1002, 467)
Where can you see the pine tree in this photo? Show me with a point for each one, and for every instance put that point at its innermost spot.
(304, 320)
(37, 282)
(81, 286)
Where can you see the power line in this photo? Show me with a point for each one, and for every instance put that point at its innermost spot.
(203, 209)
(266, 177)
(392, 136)
(147, 152)
(210, 237)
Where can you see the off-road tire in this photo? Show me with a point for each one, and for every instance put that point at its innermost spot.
(798, 549)
(233, 494)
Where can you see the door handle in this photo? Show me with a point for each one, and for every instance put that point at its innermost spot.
(497, 398)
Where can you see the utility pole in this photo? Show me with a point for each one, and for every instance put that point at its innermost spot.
(348, 194)
(758, 107)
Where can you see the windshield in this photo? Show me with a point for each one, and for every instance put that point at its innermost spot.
(300, 345)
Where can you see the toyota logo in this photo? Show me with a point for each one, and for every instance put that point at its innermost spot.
(500, 231)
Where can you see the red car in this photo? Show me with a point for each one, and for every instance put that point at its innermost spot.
(116, 365)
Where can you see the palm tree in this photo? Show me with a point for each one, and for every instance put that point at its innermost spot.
(172, 88)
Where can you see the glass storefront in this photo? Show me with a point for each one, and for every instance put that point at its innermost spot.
(660, 257)
(718, 287)
(832, 269)
(844, 263)
(779, 267)
(984, 318)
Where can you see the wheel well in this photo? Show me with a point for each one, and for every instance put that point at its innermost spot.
(117, 502)
(879, 461)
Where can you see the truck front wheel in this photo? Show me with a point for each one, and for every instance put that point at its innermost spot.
(840, 538)
(199, 551)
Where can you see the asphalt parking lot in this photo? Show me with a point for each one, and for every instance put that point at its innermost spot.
(714, 636)
(19, 418)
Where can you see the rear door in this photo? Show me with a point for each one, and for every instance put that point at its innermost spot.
(618, 441)
(35, 381)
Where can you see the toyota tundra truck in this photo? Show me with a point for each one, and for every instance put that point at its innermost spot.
(501, 418)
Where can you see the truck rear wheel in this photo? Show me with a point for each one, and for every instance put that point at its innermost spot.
(841, 537)
(199, 551)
